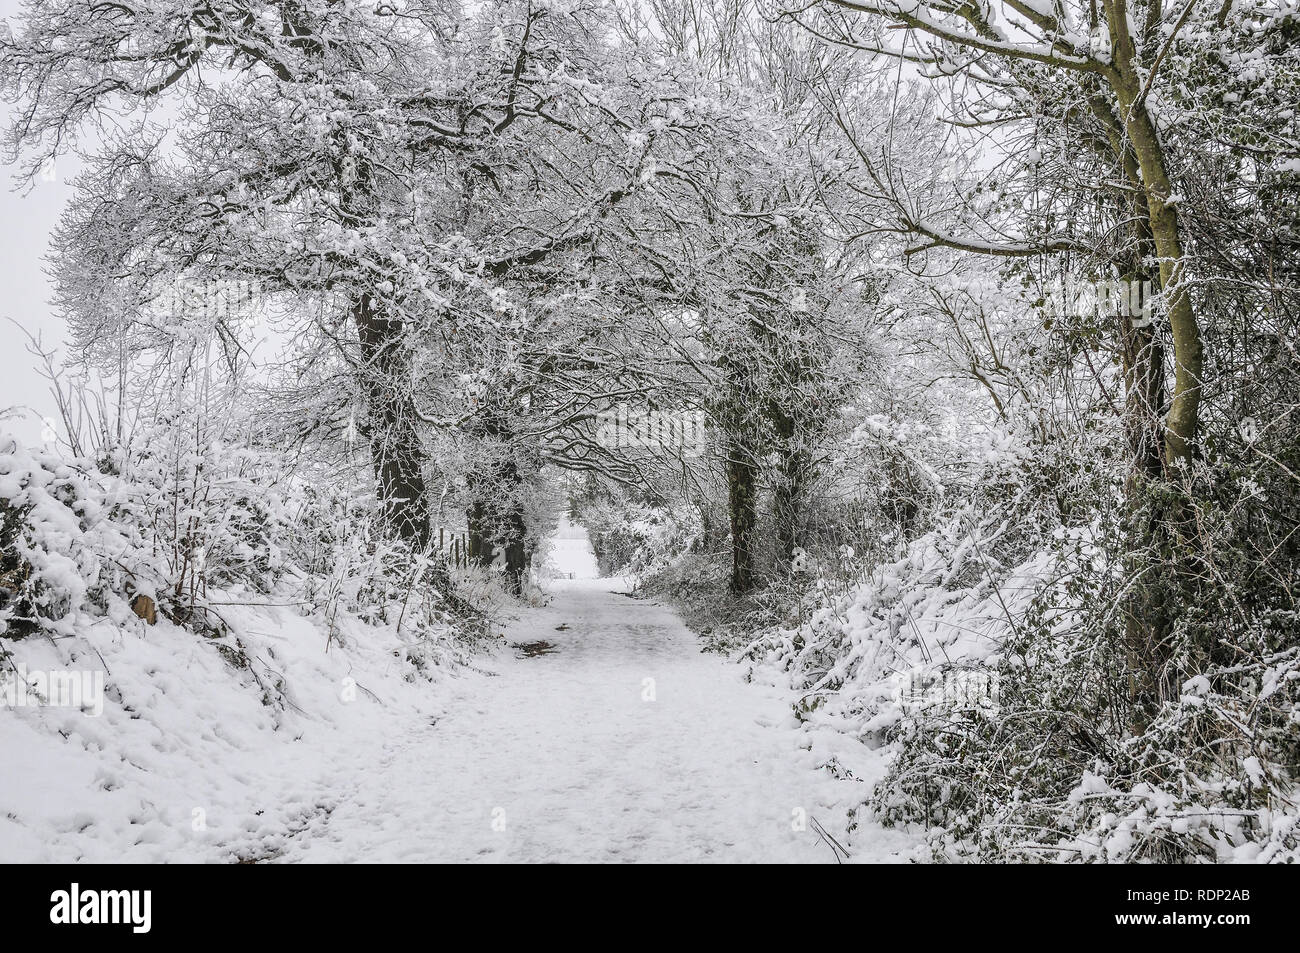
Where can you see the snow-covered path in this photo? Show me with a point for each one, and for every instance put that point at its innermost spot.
(622, 743)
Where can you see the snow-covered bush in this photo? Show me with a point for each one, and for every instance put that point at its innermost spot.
(1061, 769)
(989, 669)
(169, 524)
(70, 544)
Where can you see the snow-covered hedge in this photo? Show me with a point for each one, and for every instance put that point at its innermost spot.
(635, 539)
(173, 526)
(985, 700)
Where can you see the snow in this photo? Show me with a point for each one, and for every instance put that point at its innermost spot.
(621, 741)
(564, 757)
(571, 555)
(187, 763)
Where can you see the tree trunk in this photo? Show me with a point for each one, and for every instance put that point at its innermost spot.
(1147, 620)
(1157, 561)
(492, 530)
(1143, 360)
(395, 446)
(516, 550)
(788, 498)
(1183, 421)
(495, 518)
(478, 535)
(742, 493)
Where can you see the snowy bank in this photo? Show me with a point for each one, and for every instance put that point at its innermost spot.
(198, 652)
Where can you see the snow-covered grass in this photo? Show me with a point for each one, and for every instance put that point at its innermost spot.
(919, 632)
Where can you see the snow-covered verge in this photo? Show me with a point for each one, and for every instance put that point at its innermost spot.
(983, 703)
(198, 757)
(198, 651)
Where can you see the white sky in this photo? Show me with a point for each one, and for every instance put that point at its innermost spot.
(25, 224)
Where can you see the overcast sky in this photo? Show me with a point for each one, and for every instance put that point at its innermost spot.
(27, 220)
(25, 224)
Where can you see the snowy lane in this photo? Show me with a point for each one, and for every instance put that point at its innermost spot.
(624, 743)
